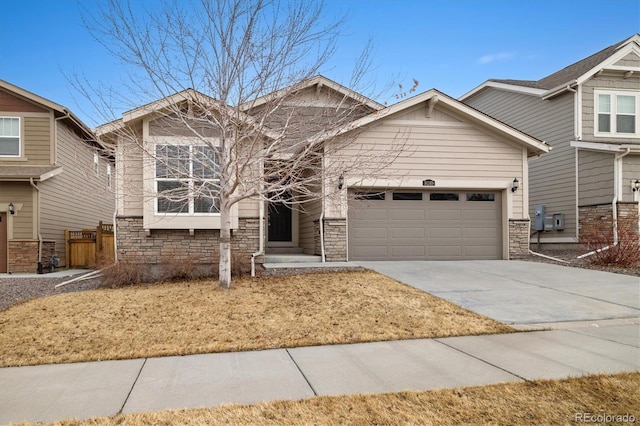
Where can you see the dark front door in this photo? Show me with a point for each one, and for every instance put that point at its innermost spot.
(279, 222)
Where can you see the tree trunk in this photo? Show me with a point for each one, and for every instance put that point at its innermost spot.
(225, 250)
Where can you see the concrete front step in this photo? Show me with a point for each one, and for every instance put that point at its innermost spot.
(291, 258)
(284, 250)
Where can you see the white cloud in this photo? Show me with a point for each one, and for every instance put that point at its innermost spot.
(495, 57)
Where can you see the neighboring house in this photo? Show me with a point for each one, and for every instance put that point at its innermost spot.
(54, 175)
(589, 113)
(452, 194)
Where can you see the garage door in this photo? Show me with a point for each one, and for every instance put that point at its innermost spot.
(431, 225)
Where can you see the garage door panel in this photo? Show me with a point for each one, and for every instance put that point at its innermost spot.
(372, 214)
(429, 229)
(451, 215)
(409, 251)
(445, 253)
(408, 232)
(444, 233)
(369, 232)
(408, 214)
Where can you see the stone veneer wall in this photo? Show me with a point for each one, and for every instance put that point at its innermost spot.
(335, 240)
(171, 249)
(23, 255)
(601, 215)
(519, 238)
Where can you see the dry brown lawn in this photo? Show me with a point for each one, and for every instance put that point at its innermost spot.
(198, 317)
(557, 402)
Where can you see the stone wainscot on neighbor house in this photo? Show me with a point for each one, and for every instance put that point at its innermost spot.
(589, 113)
(54, 174)
(458, 191)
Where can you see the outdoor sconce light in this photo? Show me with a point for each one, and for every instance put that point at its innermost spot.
(12, 209)
(341, 181)
(515, 185)
(635, 186)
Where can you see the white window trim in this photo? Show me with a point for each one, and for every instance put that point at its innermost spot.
(19, 138)
(109, 176)
(156, 179)
(613, 133)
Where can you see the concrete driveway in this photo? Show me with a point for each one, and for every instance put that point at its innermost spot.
(519, 292)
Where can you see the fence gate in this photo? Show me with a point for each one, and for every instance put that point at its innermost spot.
(87, 247)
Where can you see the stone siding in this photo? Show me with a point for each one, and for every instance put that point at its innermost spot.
(23, 255)
(518, 238)
(167, 249)
(335, 240)
(600, 216)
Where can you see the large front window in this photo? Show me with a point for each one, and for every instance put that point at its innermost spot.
(9, 137)
(617, 113)
(186, 179)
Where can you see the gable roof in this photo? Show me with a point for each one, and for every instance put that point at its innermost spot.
(576, 73)
(320, 81)
(534, 146)
(184, 96)
(61, 112)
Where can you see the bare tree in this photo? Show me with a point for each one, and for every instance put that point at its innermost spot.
(226, 72)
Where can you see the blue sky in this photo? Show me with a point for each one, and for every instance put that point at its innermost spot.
(450, 45)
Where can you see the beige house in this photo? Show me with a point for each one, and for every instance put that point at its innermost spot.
(54, 175)
(456, 189)
(589, 112)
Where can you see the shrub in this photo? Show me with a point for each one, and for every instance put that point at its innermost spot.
(599, 235)
(121, 274)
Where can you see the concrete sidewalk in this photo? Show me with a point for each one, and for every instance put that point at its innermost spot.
(83, 390)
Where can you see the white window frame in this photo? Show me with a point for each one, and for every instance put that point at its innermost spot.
(12, 136)
(190, 180)
(613, 133)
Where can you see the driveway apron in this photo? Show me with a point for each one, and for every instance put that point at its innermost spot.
(519, 292)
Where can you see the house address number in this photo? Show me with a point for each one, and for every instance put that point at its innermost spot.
(428, 182)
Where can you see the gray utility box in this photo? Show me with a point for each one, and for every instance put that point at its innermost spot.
(544, 222)
(538, 220)
(558, 222)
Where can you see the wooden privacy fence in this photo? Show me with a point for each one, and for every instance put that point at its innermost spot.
(84, 247)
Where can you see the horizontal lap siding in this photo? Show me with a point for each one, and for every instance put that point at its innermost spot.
(552, 177)
(456, 152)
(37, 140)
(77, 198)
(630, 172)
(596, 177)
(19, 193)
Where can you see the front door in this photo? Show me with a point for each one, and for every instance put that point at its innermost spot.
(280, 223)
(3, 243)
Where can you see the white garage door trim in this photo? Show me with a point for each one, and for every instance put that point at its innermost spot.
(420, 224)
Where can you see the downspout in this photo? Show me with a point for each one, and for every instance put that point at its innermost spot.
(617, 176)
(55, 135)
(260, 251)
(577, 134)
(37, 211)
(321, 224)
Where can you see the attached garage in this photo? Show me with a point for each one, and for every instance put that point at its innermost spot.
(424, 225)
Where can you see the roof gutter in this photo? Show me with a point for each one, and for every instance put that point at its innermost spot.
(559, 90)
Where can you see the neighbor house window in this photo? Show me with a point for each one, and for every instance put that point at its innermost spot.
(187, 179)
(617, 113)
(10, 137)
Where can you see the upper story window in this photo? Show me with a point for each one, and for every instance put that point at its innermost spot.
(10, 137)
(617, 113)
(186, 179)
(109, 178)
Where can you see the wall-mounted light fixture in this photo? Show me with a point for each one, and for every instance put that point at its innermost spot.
(635, 185)
(515, 185)
(12, 209)
(341, 181)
